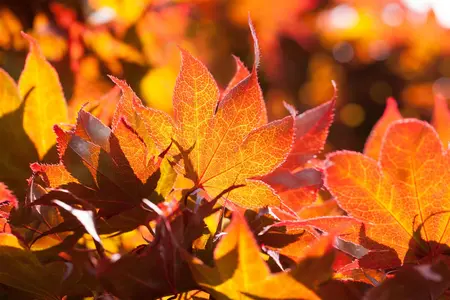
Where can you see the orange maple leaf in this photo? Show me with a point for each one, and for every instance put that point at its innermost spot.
(440, 121)
(223, 143)
(111, 169)
(296, 180)
(373, 143)
(229, 142)
(402, 199)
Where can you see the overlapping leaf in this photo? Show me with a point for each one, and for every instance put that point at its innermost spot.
(109, 170)
(154, 126)
(295, 181)
(403, 199)
(299, 234)
(241, 273)
(390, 115)
(222, 143)
(159, 265)
(440, 121)
(27, 115)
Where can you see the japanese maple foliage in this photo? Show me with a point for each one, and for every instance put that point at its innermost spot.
(215, 202)
(402, 196)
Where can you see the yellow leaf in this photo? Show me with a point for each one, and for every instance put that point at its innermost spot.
(241, 273)
(45, 104)
(9, 97)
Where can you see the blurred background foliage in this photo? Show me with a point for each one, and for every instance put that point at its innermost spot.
(373, 49)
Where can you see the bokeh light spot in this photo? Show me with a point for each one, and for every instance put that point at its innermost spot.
(343, 52)
(379, 50)
(442, 87)
(352, 115)
(393, 14)
(343, 17)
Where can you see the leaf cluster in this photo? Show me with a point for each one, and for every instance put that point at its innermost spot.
(215, 202)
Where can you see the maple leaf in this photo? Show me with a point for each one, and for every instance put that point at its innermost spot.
(9, 95)
(110, 169)
(240, 272)
(373, 144)
(223, 143)
(240, 74)
(295, 181)
(228, 142)
(299, 234)
(402, 198)
(154, 126)
(440, 119)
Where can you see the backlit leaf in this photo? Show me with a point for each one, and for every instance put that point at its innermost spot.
(45, 104)
(402, 199)
(110, 169)
(239, 271)
(373, 144)
(240, 74)
(9, 95)
(228, 143)
(295, 182)
(154, 126)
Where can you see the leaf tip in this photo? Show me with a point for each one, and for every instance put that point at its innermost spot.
(335, 92)
(255, 44)
(290, 108)
(36, 167)
(34, 46)
(117, 81)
